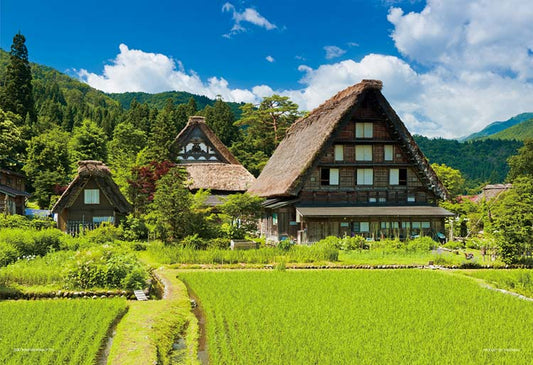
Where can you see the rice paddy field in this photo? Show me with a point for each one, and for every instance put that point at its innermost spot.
(55, 331)
(359, 317)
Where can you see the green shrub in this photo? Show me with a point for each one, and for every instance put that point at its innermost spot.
(134, 228)
(102, 267)
(20, 221)
(331, 241)
(105, 233)
(8, 253)
(388, 245)
(32, 242)
(421, 244)
(353, 243)
(454, 245)
(220, 243)
(135, 279)
(194, 242)
(285, 245)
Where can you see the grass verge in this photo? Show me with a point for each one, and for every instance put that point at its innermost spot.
(148, 331)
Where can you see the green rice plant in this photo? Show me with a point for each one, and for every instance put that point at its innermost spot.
(517, 280)
(56, 331)
(359, 317)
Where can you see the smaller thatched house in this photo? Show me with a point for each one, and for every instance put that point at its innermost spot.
(90, 199)
(209, 163)
(12, 192)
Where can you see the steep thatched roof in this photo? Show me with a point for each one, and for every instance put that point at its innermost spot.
(101, 174)
(219, 176)
(301, 148)
(199, 122)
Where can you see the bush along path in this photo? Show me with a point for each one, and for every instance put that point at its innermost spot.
(158, 331)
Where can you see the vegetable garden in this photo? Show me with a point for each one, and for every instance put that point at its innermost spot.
(364, 317)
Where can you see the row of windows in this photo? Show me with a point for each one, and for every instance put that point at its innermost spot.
(362, 227)
(330, 176)
(364, 153)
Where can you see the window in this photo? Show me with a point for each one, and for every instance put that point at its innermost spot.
(99, 220)
(92, 196)
(371, 200)
(364, 130)
(389, 152)
(382, 200)
(363, 153)
(394, 177)
(411, 199)
(359, 227)
(426, 225)
(339, 152)
(329, 176)
(365, 176)
(402, 177)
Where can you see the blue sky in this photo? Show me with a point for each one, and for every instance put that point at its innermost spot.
(448, 67)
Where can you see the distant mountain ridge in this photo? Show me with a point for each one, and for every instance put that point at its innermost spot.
(519, 132)
(496, 127)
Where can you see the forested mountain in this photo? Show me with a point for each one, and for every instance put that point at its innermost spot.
(519, 132)
(496, 127)
(479, 161)
(178, 97)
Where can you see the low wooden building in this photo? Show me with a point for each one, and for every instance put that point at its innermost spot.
(90, 199)
(13, 193)
(350, 167)
(209, 163)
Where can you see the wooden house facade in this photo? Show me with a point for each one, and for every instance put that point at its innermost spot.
(90, 199)
(209, 163)
(13, 193)
(350, 167)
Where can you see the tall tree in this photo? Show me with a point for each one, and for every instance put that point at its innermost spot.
(192, 108)
(221, 119)
(452, 179)
(48, 165)
(88, 143)
(11, 142)
(17, 93)
(171, 206)
(163, 134)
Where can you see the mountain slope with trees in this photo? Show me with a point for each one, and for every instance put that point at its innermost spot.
(519, 132)
(497, 127)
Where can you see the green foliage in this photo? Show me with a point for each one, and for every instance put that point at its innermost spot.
(221, 119)
(372, 316)
(104, 267)
(517, 280)
(451, 178)
(11, 143)
(48, 165)
(17, 93)
(29, 242)
(56, 331)
(88, 142)
(522, 163)
(171, 207)
(244, 210)
(134, 228)
(194, 242)
(512, 220)
(264, 127)
(20, 221)
(478, 161)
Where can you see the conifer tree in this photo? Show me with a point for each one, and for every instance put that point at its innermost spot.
(221, 119)
(17, 93)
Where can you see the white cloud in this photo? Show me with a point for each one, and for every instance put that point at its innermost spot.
(270, 59)
(248, 15)
(333, 52)
(135, 70)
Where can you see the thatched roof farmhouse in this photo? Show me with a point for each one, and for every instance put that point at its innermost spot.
(90, 199)
(209, 163)
(350, 167)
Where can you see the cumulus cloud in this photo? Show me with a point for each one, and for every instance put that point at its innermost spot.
(270, 59)
(333, 52)
(248, 15)
(135, 70)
